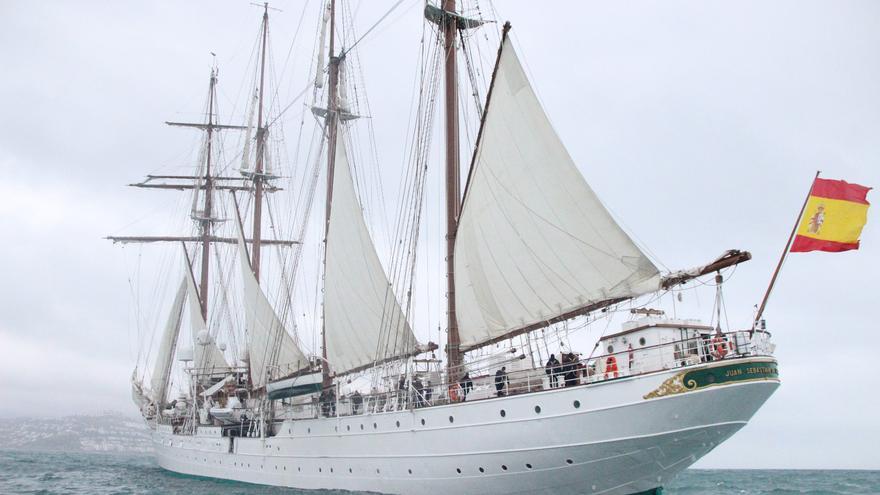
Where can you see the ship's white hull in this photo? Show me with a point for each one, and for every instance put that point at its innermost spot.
(602, 438)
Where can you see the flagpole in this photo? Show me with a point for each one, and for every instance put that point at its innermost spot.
(784, 254)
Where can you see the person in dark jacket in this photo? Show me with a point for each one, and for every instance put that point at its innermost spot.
(466, 385)
(501, 381)
(552, 369)
(570, 369)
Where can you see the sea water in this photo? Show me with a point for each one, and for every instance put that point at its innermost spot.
(118, 474)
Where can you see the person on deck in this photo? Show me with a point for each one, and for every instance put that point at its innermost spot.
(357, 401)
(500, 381)
(552, 369)
(570, 369)
(466, 385)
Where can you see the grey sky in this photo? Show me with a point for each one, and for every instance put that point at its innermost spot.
(700, 124)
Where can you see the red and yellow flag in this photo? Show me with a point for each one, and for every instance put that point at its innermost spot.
(833, 217)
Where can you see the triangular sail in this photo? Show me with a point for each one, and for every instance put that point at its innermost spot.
(271, 350)
(165, 356)
(206, 355)
(363, 321)
(533, 241)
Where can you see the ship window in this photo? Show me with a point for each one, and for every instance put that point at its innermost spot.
(349, 470)
(528, 466)
(610, 349)
(375, 426)
(451, 419)
(331, 470)
(537, 409)
(641, 341)
(362, 426)
(577, 404)
(310, 430)
(409, 471)
(569, 461)
(423, 421)
(319, 470)
(503, 413)
(398, 424)
(285, 468)
(377, 470)
(458, 470)
(299, 469)
(504, 467)
(347, 427)
(482, 470)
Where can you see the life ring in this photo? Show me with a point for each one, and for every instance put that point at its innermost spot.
(611, 366)
(719, 347)
(453, 393)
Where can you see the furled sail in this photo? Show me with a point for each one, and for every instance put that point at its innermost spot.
(363, 321)
(165, 356)
(271, 350)
(206, 355)
(533, 241)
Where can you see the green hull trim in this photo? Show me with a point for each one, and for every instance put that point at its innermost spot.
(715, 375)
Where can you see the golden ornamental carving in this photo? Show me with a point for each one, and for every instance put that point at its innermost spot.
(671, 386)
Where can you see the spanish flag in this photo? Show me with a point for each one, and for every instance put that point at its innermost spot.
(833, 217)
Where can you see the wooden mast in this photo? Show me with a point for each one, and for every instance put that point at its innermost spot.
(784, 254)
(261, 152)
(332, 133)
(207, 220)
(453, 193)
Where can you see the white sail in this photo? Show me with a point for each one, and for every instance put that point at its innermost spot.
(271, 350)
(533, 242)
(363, 321)
(165, 356)
(206, 355)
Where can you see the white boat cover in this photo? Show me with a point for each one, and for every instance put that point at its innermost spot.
(363, 321)
(534, 242)
(271, 350)
(165, 356)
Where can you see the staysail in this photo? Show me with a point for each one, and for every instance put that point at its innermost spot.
(533, 241)
(165, 356)
(271, 350)
(206, 355)
(363, 321)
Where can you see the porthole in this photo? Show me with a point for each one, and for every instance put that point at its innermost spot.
(503, 413)
(285, 468)
(503, 467)
(576, 404)
(309, 430)
(482, 470)
(610, 349)
(347, 427)
(299, 469)
(569, 461)
(398, 424)
(451, 419)
(331, 470)
(423, 421)
(528, 466)
(349, 470)
(375, 426)
(458, 470)
(642, 341)
(319, 470)
(537, 409)
(409, 471)
(362, 427)
(377, 470)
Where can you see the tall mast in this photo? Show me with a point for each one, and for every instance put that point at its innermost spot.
(207, 220)
(261, 152)
(332, 127)
(453, 193)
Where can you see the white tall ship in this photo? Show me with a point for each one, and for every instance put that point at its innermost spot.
(232, 389)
